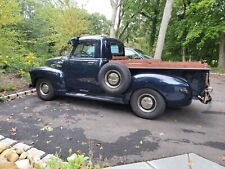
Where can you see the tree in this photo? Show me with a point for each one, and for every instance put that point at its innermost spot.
(9, 17)
(98, 24)
(206, 29)
(115, 4)
(222, 50)
(66, 21)
(163, 29)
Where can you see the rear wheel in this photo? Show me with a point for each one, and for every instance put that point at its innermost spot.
(147, 103)
(45, 89)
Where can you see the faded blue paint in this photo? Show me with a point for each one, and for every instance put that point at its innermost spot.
(80, 75)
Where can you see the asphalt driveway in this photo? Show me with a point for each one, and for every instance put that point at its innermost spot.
(110, 133)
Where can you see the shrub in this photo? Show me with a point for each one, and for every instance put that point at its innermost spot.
(20, 64)
(74, 161)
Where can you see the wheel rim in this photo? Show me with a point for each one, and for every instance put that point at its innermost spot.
(147, 103)
(112, 79)
(44, 88)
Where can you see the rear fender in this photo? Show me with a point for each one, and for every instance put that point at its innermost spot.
(54, 75)
(176, 91)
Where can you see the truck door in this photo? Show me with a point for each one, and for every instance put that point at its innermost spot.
(81, 70)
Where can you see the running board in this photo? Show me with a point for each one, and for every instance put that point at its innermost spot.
(99, 98)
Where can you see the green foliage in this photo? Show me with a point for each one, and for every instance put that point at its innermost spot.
(9, 17)
(21, 64)
(194, 29)
(140, 23)
(74, 161)
(5, 87)
(34, 31)
(9, 12)
(218, 70)
(43, 28)
(98, 24)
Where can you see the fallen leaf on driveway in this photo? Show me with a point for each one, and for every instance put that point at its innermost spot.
(11, 116)
(137, 146)
(49, 141)
(161, 134)
(13, 131)
(47, 128)
(190, 163)
(98, 144)
(69, 138)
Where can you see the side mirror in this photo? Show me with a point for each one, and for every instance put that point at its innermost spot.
(74, 41)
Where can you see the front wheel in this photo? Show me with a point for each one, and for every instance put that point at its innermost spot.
(45, 90)
(147, 103)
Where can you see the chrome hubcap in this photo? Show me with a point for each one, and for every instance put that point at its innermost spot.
(112, 79)
(44, 88)
(146, 103)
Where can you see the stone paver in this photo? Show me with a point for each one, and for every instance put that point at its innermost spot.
(141, 165)
(47, 157)
(8, 142)
(1, 137)
(177, 162)
(35, 153)
(198, 162)
(20, 147)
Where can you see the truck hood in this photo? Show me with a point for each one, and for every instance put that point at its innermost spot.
(56, 62)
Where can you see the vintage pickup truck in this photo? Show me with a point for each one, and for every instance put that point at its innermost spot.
(97, 69)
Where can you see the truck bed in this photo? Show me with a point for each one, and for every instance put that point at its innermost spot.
(153, 64)
(195, 73)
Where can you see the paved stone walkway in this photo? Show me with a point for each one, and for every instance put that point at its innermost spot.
(14, 155)
(185, 161)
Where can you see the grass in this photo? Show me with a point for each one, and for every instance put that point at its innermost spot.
(6, 87)
(218, 70)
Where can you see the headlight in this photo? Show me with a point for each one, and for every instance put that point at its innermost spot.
(184, 90)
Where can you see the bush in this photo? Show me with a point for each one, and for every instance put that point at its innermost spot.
(20, 64)
(74, 161)
(5, 87)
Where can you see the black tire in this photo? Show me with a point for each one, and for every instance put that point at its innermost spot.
(147, 103)
(45, 94)
(114, 78)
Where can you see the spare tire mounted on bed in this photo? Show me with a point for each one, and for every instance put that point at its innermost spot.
(114, 78)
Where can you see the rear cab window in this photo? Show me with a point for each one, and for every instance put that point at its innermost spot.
(117, 49)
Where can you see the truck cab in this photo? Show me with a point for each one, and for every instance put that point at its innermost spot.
(97, 68)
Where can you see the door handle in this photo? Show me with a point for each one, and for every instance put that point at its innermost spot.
(90, 62)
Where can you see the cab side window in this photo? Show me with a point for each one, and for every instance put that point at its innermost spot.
(84, 50)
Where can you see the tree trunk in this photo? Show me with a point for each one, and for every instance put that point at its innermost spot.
(222, 50)
(115, 4)
(183, 54)
(163, 29)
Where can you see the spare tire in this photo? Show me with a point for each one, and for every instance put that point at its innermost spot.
(114, 78)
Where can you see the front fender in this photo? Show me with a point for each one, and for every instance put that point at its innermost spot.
(176, 91)
(54, 75)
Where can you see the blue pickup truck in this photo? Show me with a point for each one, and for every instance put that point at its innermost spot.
(98, 69)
